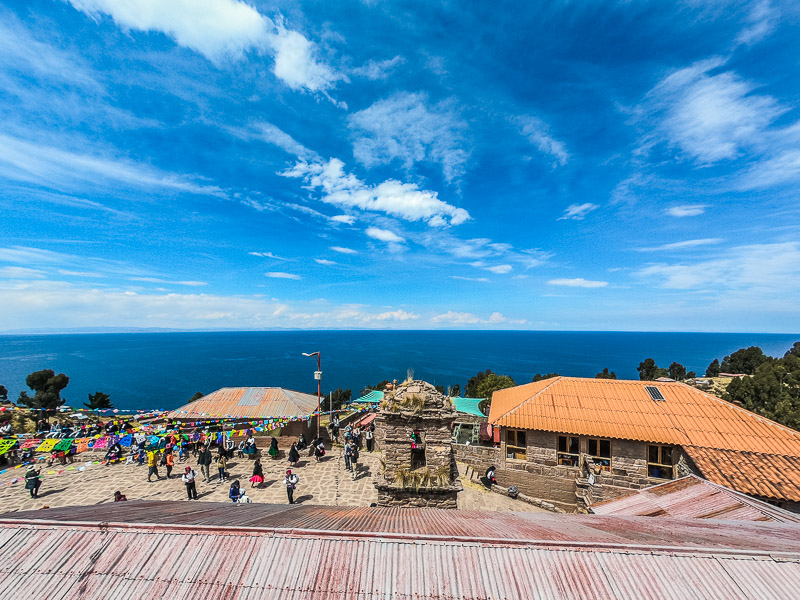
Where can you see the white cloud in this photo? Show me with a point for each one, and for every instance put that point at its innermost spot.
(710, 117)
(762, 21)
(783, 167)
(374, 70)
(157, 280)
(537, 132)
(81, 274)
(406, 129)
(683, 244)
(578, 282)
(686, 210)
(272, 134)
(21, 273)
(346, 219)
(577, 212)
(223, 30)
(456, 318)
(499, 269)
(217, 29)
(403, 200)
(325, 261)
(268, 255)
(297, 63)
(384, 235)
(282, 275)
(481, 279)
(23, 160)
(769, 269)
(342, 250)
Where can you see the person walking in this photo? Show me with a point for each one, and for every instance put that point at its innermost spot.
(230, 446)
(354, 461)
(258, 474)
(33, 481)
(294, 455)
(273, 448)
(222, 462)
(368, 435)
(170, 462)
(348, 454)
(152, 465)
(290, 481)
(188, 479)
(204, 460)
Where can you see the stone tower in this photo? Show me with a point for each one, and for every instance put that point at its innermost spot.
(419, 465)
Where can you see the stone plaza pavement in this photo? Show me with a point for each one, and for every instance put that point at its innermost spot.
(324, 483)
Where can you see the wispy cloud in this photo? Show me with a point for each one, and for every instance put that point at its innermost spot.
(686, 210)
(682, 245)
(168, 282)
(538, 133)
(378, 69)
(406, 128)
(282, 275)
(21, 273)
(298, 65)
(343, 250)
(268, 255)
(47, 165)
(577, 212)
(466, 318)
(461, 278)
(345, 219)
(578, 282)
(498, 269)
(325, 262)
(384, 235)
(762, 21)
(403, 200)
(272, 134)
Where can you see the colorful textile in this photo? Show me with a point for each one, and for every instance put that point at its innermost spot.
(6, 445)
(126, 441)
(47, 445)
(63, 445)
(100, 443)
(32, 443)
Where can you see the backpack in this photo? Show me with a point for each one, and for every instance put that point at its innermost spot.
(354, 455)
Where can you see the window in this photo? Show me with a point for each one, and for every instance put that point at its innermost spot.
(600, 451)
(568, 453)
(516, 444)
(659, 462)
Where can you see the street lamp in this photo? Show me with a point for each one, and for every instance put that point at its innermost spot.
(318, 377)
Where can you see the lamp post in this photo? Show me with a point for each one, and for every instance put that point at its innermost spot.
(318, 377)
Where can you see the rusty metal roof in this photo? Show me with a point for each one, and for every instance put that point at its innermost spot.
(693, 498)
(248, 403)
(760, 474)
(121, 551)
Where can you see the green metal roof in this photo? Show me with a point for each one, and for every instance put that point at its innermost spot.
(373, 397)
(469, 406)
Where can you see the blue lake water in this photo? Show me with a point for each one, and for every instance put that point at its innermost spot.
(162, 370)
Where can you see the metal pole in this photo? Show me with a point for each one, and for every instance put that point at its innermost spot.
(319, 390)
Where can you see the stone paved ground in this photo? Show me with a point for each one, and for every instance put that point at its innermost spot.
(325, 483)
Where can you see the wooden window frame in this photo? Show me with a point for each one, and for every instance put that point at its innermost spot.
(604, 462)
(518, 452)
(568, 456)
(661, 465)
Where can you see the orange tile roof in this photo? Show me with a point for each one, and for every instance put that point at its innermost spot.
(623, 409)
(248, 403)
(767, 475)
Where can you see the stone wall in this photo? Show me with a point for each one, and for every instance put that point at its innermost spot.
(413, 499)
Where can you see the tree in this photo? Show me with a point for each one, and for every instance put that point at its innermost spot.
(455, 391)
(3, 393)
(197, 396)
(98, 400)
(484, 384)
(471, 391)
(677, 371)
(539, 377)
(691, 375)
(605, 374)
(649, 370)
(47, 387)
(440, 389)
(339, 398)
(745, 360)
(713, 369)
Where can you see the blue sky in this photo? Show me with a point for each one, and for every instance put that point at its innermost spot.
(546, 165)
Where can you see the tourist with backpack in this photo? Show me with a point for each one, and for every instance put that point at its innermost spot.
(354, 461)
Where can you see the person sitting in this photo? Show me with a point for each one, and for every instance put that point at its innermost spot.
(319, 449)
(490, 478)
(301, 443)
(114, 453)
(235, 492)
(6, 428)
(119, 496)
(240, 451)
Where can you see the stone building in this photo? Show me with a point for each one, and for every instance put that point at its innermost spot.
(573, 442)
(413, 428)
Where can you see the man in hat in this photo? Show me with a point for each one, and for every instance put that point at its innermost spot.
(188, 479)
(290, 481)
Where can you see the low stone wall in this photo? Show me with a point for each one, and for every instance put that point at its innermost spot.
(403, 499)
(478, 457)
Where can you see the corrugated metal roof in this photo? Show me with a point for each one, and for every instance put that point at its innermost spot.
(371, 397)
(623, 409)
(693, 498)
(468, 405)
(248, 403)
(759, 474)
(109, 561)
